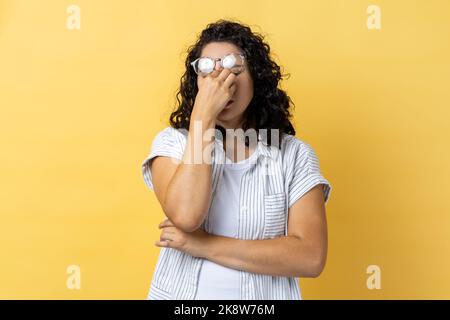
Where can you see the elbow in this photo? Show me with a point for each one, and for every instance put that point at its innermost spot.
(317, 266)
(186, 226)
(314, 268)
(316, 271)
(181, 218)
(187, 217)
(312, 261)
(185, 221)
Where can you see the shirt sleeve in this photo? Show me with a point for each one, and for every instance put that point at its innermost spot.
(169, 143)
(306, 173)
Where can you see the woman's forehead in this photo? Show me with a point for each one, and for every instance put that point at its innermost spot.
(219, 49)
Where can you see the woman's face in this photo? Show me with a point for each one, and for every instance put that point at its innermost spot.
(232, 117)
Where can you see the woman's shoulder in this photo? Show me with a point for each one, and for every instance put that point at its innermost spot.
(173, 132)
(172, 136)
(169, 138)
(296, 152)
(290, 144)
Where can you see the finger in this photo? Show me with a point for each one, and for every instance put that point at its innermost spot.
(230, 80)
(170, 229)
(224, 74)
(232, 89)
(214, 73)
(161, 224)
(165, 223)
(162, 243)
(166, 237)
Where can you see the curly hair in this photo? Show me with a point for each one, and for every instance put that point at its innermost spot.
(269, 107)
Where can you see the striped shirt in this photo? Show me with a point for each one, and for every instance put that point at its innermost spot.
(274, 182)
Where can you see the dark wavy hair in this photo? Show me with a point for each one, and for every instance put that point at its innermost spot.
(269, 107)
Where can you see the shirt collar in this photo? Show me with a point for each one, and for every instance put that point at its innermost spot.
(264, 150)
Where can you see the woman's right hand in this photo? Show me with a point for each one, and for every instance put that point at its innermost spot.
(214, 92)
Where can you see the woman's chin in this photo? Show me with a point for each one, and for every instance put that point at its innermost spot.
(226, 115)
(228, 119)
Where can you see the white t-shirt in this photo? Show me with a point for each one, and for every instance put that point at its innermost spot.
(217, 282)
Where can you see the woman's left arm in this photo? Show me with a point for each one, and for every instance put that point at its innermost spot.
(302, 253)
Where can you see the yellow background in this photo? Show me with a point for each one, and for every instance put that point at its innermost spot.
(80, 108)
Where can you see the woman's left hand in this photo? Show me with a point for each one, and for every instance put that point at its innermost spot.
(193, 243)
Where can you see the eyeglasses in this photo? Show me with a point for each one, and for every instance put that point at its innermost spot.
(205, 65)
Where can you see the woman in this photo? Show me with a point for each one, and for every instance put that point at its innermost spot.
(248, 219)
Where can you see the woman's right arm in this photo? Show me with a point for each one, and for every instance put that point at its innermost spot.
(184, 189)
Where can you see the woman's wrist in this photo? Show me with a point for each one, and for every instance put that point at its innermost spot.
(208, 120)
(202, 244)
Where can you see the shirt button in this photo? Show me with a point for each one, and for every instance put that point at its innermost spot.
(244, 208)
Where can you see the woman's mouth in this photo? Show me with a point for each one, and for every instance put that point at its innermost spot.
(229, 104)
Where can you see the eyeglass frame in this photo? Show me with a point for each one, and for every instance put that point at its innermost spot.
(242, 55)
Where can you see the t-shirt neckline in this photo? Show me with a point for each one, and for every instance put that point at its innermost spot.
(243, 164)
